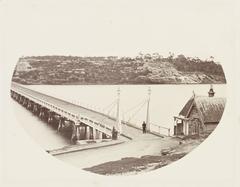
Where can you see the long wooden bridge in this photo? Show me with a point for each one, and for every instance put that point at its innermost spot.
(80, 122)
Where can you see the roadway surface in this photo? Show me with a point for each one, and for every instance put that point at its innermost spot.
(145, 144)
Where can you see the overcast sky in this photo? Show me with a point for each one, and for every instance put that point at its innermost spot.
(120, 27)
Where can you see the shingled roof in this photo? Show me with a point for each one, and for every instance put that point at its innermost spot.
(210, 108)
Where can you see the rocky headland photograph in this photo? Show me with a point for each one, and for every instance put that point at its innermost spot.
(142, 69)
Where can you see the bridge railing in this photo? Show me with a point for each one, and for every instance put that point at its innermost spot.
(159, 129)
(69, 115)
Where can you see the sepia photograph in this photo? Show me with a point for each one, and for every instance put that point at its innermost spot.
(135, 93)
(125, 110)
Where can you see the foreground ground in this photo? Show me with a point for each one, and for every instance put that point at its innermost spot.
(145, 153)
(134, 165)
(145, 144)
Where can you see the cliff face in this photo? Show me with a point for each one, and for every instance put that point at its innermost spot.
(104, 70)
(167, 72)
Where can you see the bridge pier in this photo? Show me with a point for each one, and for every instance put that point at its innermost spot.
(41, 113)
(34, 108)
(46, 113)
(29, 105)
(60, 124)
(23, 99)
(20, 99)
(17, 97)
(91, 133)
(87, 132)
(81, 131)
(98, 134)
(25, 102)
(55, 120)
(53, 113)
(50, 117)
(76, 132)
(94, 133)
(104, 136)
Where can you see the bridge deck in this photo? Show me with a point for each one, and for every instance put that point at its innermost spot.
(72, 108)
(129, 131)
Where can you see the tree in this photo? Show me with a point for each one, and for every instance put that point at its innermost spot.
(155, 56)
(181, 58)
(170, 57)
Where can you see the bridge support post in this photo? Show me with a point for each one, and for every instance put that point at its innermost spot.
(76, 134)
(87, 132)
(50, 117)
(24, 101)
(93, 133)
(35, 109)
(90, 133)
(29, 104)
(20, 99)
(82, 132)
(78, 130)
(74, 130)
(98, 134)
(40, 113)
(60, 125)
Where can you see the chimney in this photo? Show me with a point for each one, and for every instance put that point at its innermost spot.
(211, 92)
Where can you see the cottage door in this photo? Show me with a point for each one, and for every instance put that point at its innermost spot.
(196, 126)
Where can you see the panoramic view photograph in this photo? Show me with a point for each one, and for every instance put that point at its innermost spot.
(119, 115)
(118, 88)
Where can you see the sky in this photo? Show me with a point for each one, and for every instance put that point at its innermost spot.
(123, 28)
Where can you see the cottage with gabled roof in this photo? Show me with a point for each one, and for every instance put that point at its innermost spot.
(201, 114)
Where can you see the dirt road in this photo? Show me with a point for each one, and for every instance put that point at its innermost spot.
(145, 144)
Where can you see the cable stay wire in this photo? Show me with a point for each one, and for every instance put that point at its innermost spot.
(140, 108)
(110, 109)
(108, 106)
(135, 106)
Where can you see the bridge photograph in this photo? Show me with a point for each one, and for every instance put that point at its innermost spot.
(119, 93)
(114, 129)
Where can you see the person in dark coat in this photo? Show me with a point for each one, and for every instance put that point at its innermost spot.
(144, 127)
(114, 134)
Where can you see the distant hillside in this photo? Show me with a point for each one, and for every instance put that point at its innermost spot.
(147, 69)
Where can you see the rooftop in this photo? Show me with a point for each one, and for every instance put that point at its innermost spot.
(210, 108)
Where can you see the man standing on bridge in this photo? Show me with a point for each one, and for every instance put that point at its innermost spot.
(114, 134)
(144, 127)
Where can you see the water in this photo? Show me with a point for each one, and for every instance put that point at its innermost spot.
(166, 101)
(42, 133)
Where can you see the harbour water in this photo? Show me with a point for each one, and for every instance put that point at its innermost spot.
(166, 101)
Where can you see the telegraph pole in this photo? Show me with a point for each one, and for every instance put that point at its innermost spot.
(148, 115)
(118, 118)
